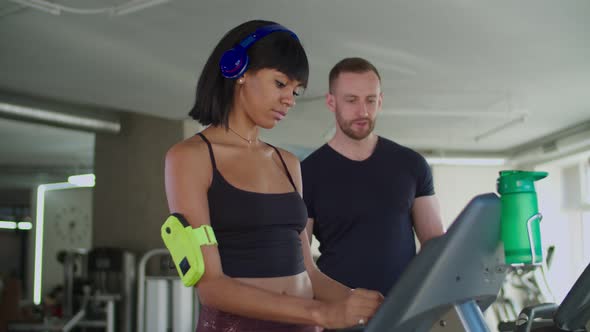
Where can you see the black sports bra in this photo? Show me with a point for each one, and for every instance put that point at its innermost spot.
(257, 233)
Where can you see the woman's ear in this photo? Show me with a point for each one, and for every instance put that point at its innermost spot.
(245, 77)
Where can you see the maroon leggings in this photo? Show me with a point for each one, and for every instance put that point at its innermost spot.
(213, 320)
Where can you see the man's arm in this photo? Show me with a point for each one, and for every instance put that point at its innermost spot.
(427, 219)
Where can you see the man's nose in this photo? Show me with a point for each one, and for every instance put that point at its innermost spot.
(363, 109)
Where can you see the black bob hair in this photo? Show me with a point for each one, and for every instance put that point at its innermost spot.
(278, 50)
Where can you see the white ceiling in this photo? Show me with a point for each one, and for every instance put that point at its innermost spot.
(452, 70)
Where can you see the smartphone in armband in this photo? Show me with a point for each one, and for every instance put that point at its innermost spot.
(184, 243)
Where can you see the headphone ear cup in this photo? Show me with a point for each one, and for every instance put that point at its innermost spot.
(234, 62)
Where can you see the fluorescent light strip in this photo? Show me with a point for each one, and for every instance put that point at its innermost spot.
(39, 221)
(83, 180)
(25, 225)
(7, 225)
(39, 234)
(22, 225)
(467, 161)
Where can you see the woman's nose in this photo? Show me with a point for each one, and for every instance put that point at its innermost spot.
(289, 100)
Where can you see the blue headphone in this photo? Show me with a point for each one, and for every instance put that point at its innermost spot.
(234, 62)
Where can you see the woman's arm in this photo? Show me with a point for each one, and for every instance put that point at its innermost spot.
(324, 287)
(188, 177)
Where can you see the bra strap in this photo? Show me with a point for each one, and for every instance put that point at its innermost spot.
(284, 165)
(210, 150)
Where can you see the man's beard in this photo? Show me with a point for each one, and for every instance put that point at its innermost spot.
(346, 127)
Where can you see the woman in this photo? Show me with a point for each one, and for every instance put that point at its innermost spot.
(261, 276)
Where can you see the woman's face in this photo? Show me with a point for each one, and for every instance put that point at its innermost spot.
(267, 95)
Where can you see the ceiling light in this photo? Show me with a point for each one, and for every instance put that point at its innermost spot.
(83, 180)
(7, 225)
(25, 225)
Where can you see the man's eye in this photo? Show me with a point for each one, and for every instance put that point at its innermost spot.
(280, 84)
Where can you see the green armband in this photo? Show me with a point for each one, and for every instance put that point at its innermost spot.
(184, 244)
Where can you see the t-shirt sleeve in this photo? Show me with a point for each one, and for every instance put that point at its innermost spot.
(307, 177)
(424, 182)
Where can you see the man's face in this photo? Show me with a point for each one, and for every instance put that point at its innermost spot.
(355, 99)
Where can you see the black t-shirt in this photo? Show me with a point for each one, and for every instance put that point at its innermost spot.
(362, 212)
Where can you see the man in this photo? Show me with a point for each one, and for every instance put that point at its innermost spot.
(365, 194)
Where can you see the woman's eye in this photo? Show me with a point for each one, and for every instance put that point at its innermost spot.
(298, 92)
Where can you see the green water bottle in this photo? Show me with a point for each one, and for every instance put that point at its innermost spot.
(520, 224)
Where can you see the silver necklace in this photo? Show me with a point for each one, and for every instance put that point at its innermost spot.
(240, 136)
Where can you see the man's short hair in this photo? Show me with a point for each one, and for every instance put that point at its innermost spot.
(351, 65)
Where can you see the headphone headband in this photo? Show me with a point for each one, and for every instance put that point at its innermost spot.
(234, 62)
(263, 32)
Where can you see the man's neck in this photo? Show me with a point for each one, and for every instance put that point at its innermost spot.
(354, 149)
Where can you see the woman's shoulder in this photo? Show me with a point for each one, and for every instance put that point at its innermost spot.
(289, 158)
(191, 150)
